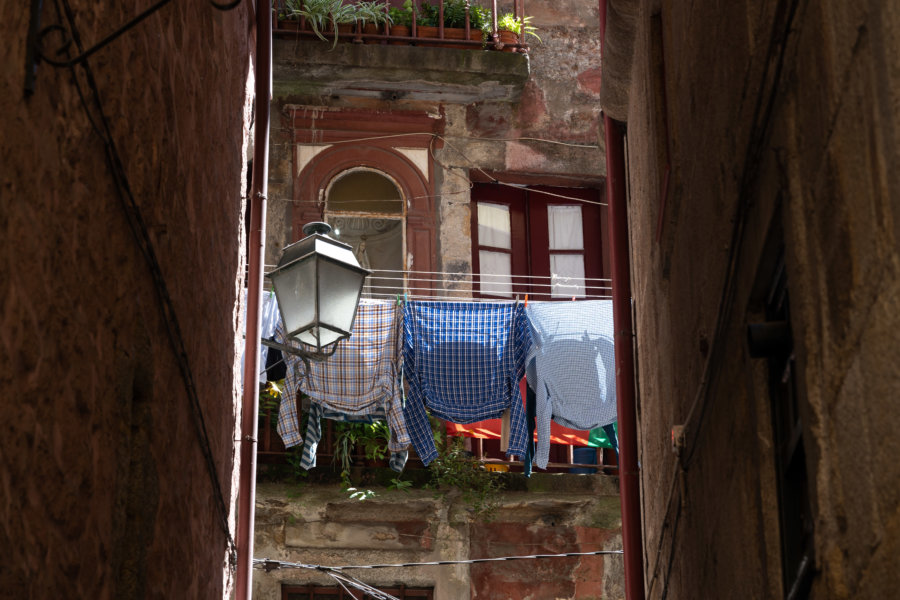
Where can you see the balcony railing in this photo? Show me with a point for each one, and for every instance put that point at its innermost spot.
(288, 22)
(272, 450)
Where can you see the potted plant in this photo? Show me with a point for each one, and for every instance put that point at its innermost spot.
(370, 15)
(326, 16)
(401, 21)
(512, 29)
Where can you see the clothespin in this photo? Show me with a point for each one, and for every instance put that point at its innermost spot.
(526, 300)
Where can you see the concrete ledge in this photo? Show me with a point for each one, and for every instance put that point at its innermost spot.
(306, 68)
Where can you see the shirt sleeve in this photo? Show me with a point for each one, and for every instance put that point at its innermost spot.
(414, 411)
(288, 426)
(543, 414)
(313, 435)
(521, 340)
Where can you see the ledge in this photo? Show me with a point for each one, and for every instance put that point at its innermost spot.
(310, 68)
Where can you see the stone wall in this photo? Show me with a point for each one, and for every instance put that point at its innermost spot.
(776, 120)
(319, 524)
(105, 492)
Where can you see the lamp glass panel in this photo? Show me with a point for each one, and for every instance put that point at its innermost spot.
(295, 289)
(339, 289)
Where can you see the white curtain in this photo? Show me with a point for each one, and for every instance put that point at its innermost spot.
(565, 227)
(499, 267)
(566, 233)
(493, 226)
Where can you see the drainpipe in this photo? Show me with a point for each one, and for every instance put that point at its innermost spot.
(257, 241)
(629, 475)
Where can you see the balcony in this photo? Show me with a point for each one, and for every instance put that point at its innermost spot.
(390, 62)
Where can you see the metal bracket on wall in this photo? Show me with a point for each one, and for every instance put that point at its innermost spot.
(34, 42)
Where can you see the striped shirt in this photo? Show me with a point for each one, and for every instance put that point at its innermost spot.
(360, 378)
(463, 362)
(571, 367)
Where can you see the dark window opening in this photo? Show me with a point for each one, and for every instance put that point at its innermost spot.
(790, 456)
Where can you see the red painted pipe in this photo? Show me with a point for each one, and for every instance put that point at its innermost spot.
(257, 239)
(629, 474)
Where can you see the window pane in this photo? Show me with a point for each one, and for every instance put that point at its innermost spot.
(496, 267)
(565, 227)
(567, 275)
(493, 225)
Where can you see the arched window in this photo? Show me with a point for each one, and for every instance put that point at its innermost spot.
(367, 210)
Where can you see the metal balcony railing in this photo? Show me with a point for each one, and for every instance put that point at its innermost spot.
(287, 22)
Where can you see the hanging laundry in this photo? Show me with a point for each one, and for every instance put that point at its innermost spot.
(463, 362)
(269, 318)
(361, 378)
(571, 367)
(317, 412)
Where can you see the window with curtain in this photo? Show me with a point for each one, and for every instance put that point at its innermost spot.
(541, 241)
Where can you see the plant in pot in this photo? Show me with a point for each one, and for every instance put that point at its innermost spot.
(401, 20)
(326, 17)
(370, 15)
(512, 29)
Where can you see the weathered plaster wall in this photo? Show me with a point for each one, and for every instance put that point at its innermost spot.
(574, 513)
(800, 135)
(103, 487)
(528, 118)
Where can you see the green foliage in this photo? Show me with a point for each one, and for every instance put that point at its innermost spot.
(456, 469)
(324, 16)
(371, 12)
(402, 16)
(374, 440)
(481, 18)
(400, 484)
(509, 22)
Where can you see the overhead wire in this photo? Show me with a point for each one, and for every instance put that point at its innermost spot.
(272, 565)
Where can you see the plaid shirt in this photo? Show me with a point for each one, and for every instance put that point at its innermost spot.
(361, 378)
(463, 361)
(317, 412)
(571, 367)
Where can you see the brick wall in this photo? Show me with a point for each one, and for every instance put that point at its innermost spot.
(105, 491)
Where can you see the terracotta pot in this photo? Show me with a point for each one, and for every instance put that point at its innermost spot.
(450, 33)
(508, 37)
(399, 30)
(371, 28)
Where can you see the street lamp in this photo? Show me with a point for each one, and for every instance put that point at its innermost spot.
(318, 282)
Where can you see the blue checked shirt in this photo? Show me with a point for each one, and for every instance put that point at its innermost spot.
(571, 367)
(361, 378)
(463, 362)
(317, 412)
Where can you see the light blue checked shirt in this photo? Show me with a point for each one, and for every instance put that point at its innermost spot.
(361, 378)
(571, 367)
(317, 412)
(463, 362)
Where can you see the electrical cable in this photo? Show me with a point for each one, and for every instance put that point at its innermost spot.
(272, 565)
(138, 228)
